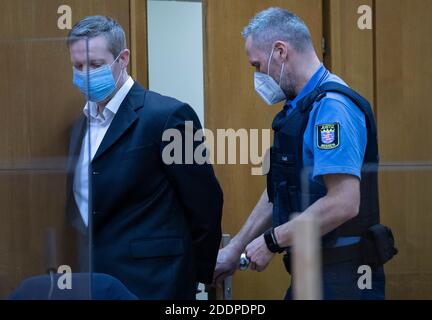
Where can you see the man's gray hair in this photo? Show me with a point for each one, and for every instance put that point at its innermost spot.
(275, 24)
(94, 26)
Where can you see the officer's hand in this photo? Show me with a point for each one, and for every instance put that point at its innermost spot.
(258, 254)
(226, 264)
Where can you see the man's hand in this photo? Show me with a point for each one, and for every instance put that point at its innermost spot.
(226, 264)
(258, 254)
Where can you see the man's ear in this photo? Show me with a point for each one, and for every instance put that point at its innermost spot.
(124, 58)
(281, 50)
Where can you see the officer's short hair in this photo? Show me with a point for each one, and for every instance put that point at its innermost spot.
(94, 26)
(275, 24)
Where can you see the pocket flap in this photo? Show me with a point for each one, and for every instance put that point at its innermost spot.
(283, 158)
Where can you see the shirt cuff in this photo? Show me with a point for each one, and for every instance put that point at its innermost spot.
(321, 171)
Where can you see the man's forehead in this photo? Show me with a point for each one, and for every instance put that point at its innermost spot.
(249, 45)
(254, 53)
(97, 47)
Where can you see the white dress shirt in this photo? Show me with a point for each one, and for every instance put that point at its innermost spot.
(99, 124)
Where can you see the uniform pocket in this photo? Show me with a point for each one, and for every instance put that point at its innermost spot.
(282, 168)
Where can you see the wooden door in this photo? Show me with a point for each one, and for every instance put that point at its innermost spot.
(231, 102)
(403, 85)
(391, 65)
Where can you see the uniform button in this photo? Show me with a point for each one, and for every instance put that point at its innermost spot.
(96, 173)
(96, 212)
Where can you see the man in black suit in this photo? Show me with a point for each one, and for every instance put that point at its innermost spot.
(154, 226)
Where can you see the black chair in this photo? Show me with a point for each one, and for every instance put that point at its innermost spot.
(84, 286)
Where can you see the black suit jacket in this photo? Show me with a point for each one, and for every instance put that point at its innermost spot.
(155, 227)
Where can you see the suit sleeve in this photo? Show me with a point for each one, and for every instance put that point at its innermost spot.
(198, 189)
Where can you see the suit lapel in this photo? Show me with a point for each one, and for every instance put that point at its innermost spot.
(77, 137)
(123, 119)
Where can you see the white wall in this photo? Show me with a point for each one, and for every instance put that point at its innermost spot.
(175, 44)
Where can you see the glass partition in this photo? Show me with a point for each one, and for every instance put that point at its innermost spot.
(44, 246)
(405, 203)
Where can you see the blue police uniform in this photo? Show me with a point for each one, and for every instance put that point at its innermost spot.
(347, 156)
(335, 139)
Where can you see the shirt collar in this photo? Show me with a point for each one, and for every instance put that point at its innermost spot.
(313, 82)
(113, 105)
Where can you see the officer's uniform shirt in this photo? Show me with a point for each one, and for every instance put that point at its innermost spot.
(335, 138)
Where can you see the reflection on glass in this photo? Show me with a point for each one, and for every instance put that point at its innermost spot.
(38, 249)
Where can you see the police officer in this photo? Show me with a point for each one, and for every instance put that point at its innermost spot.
(325, 134)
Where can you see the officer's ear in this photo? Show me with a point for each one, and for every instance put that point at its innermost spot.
(282, 50)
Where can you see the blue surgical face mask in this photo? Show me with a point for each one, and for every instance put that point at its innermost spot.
(101, 82)
(268, 89)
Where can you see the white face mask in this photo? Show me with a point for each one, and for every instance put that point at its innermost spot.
(267, 87)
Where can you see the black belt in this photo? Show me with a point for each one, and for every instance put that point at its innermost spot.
(333, 255)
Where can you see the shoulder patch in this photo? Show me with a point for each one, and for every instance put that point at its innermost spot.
(328, 136)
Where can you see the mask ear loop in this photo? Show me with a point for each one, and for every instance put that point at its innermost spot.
(270, 58)
(122, 70)
(280, 78)
(118, 79)
(116, 58)
(268, 66)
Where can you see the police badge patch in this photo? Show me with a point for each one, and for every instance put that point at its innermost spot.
(328, 136)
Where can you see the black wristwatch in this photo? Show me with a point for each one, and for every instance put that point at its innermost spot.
(271, 242)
